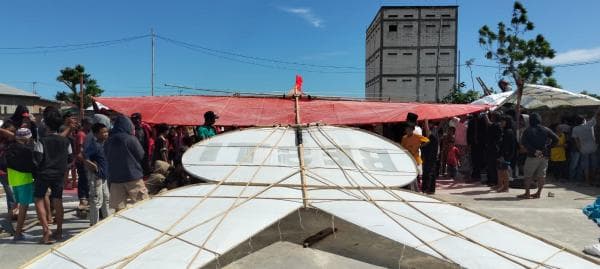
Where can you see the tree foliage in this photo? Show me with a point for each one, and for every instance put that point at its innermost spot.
(71, 77)
(458, 96)
(591, 94)
(518, 57)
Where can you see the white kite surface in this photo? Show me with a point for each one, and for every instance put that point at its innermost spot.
(333, 156)
(192, 226)
(256, 183)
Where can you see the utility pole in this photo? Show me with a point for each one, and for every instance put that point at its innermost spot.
(458, 71)
(33, 86)
(81, 108)
(437, 65)
(153, 49)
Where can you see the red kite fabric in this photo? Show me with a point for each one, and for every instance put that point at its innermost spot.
(298, 84)
(269, 111)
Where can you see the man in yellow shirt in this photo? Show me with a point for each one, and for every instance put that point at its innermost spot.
(558, 155)
(413, 142)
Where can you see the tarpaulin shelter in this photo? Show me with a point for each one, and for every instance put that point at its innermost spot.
(267, 111)
(537, 96)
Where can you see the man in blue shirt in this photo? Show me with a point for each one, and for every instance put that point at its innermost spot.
(97, 166)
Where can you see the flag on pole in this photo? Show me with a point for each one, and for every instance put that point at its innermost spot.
(298, 88)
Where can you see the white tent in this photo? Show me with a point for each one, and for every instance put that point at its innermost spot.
(536, 96)
(282, 183)
(100, 106)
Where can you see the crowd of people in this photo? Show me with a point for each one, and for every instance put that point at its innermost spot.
(116, 159)
(490, 148)
(113, 159)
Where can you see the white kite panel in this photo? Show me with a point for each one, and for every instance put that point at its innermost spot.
(342, 156)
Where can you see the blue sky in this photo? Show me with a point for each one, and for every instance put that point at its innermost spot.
(311, 32)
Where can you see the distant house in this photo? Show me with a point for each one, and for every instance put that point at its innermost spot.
(10, 97)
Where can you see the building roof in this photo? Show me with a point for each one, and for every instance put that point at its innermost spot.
(9, 90)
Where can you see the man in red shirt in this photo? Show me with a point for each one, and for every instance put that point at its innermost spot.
(452, 159)
(83, 191)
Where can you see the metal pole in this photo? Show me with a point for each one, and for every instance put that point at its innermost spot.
(81, 113)
(153, 50)
(437, 65)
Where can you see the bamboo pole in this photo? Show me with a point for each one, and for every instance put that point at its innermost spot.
(300, 147)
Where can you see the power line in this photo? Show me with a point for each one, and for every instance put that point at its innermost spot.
(257, 63)
(223, 91)
(66, 48)
(76, 44)
(255, 57)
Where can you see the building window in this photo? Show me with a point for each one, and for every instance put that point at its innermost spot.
(429, 53)
(446, 15)
(393, 28)
(408, 16)
(429, 79)
(446, 25)
(391, 80)
(430, 15)
(444, 53)
(430, 25)
(392, 53)
(392, 16)
(407, 26)
(406, 80)
(407, 53)
(444, 79)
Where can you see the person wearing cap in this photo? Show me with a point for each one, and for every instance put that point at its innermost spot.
(143, 133)
(208, 130)
(20, 168)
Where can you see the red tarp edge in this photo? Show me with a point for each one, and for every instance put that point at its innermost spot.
(268, 111)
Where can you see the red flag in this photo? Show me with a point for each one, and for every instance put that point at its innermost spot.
(298, 87)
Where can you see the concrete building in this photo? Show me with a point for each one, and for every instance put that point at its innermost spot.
(10, 97)
(411, 53)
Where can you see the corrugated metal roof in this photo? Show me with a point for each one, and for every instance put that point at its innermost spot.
(9, 90)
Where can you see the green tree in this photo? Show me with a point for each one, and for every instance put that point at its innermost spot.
(591, 94)
(551, 82)
(518, 57)
(458, 96)
(71, 77)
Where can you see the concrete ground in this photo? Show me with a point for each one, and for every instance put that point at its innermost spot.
(557, 219)
(14, 255)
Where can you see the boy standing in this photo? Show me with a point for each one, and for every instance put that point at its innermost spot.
(20, 167)
(52, 154)
(97, 166)
(452, 159)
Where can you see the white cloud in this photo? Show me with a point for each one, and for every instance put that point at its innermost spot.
(306, 14)
(575, 56)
